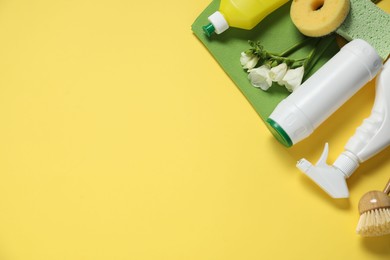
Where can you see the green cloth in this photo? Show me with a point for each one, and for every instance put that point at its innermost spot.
(276, 32)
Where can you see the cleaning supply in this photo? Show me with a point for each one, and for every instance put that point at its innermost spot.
(316, 18)
(374, 209)
(370, 138)
(368, 22)
(351, 19)
(298, 115)
(244, 14)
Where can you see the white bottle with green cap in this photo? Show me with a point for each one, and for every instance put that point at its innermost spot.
(297, 116)
(243, 14)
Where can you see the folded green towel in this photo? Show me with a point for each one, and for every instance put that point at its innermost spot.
(276, 32)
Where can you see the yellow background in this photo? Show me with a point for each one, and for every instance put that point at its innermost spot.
(122, 138)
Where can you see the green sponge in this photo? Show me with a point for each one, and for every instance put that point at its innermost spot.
(368, 22)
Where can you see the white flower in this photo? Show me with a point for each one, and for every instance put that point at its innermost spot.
(293, 78)
(260, 77)
(248, 61)
(277, 73)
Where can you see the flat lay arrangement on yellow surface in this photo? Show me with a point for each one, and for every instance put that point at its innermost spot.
(190, 130)
(320, 82)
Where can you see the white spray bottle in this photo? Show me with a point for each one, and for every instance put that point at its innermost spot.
(370, 138)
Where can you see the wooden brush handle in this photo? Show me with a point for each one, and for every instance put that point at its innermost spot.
(375, 200)
(387, 188)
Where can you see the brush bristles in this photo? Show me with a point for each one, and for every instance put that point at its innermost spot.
(374, 223)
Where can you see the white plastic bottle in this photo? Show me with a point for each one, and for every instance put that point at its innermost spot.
(298, 115)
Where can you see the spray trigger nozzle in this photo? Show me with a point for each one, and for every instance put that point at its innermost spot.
(324, 156)
(328, 177)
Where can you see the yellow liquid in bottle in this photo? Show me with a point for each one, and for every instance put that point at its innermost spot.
(246, 14)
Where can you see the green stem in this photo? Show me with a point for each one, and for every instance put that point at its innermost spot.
(299, 63)
(280, 59)
(295, 47)
(328, 41)
(311, 54)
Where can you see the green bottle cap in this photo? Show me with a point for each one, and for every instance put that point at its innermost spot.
(209, 29)
(279, 133)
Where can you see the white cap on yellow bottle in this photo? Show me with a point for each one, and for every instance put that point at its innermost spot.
(218, 24)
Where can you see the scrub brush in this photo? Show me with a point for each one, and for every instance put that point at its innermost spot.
(374, 208)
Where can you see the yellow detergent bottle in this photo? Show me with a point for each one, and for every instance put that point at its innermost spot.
(244, 14)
